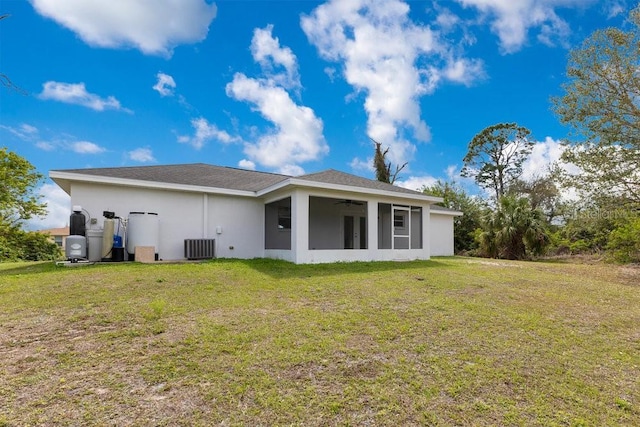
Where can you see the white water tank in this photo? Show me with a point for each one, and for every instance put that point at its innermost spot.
(94, 244)
(143, 229)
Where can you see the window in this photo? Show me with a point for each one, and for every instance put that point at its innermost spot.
(398, 221)
(284, 218)
(58, 240)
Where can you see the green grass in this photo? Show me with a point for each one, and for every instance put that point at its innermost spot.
(453, 341)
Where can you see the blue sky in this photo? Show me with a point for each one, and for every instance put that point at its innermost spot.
(284, 86)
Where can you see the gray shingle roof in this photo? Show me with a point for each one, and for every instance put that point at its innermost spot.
(198, 174)
(204, 175)
(332, 176)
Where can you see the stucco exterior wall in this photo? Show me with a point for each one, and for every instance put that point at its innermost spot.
(441, 235)
(238, 223)
(182, 215)
(241, 221)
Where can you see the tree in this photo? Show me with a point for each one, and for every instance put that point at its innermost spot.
(495, 156)
(17, 199)
(590, 225)
(18, 203)
(472, 208)
(542, 193)
(382, 167)
(514, 230)
(601, 105)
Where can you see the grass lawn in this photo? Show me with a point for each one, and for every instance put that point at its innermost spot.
(453, 341)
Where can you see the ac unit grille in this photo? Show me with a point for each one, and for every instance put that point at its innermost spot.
(199, 248)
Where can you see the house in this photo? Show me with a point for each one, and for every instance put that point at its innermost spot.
(57, 235)
(320, 217)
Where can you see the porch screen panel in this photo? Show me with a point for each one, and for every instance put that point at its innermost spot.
(416, 227)
(277, 224)
(385, 224)
(337, 224)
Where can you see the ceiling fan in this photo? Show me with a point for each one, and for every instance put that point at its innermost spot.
(349, 202)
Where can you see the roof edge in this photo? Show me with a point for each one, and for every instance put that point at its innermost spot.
(294, 182)
(65, 177)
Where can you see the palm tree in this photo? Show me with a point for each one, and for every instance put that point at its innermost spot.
(514, 230)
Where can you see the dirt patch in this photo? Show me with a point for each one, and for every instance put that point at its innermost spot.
(630, 275)
(496, 264)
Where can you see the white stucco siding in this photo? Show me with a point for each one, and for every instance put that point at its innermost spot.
(441, 234)
(182, 216)
(237, 221)
(179, 213)
(241, 221)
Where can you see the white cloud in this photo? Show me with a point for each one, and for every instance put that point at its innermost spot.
(28, 129)
(512, 20)
(151, 26)
(390, 59)
(76, 93)
(297, 135)
(266, 51)
(25, 131)
(45, 145)
(417, 182)
(30, 133)
(615, 8)
(247, 164)
(453, 172)
(359, 164)
(291, 170)
(331, 73)
(142, 155)
(58, 208)
(86, 147)
(464, 71)
(165, 85)
(544, 154)
(204, 132)
(446, 19)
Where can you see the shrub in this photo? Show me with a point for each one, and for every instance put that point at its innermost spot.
(17, 244)
(624, 242)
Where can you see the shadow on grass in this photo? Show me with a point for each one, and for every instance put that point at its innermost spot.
(27, 268)
(37, 267)
(271, 267)
(285, 269)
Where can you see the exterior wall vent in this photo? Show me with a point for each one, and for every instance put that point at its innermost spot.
(199, 248)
